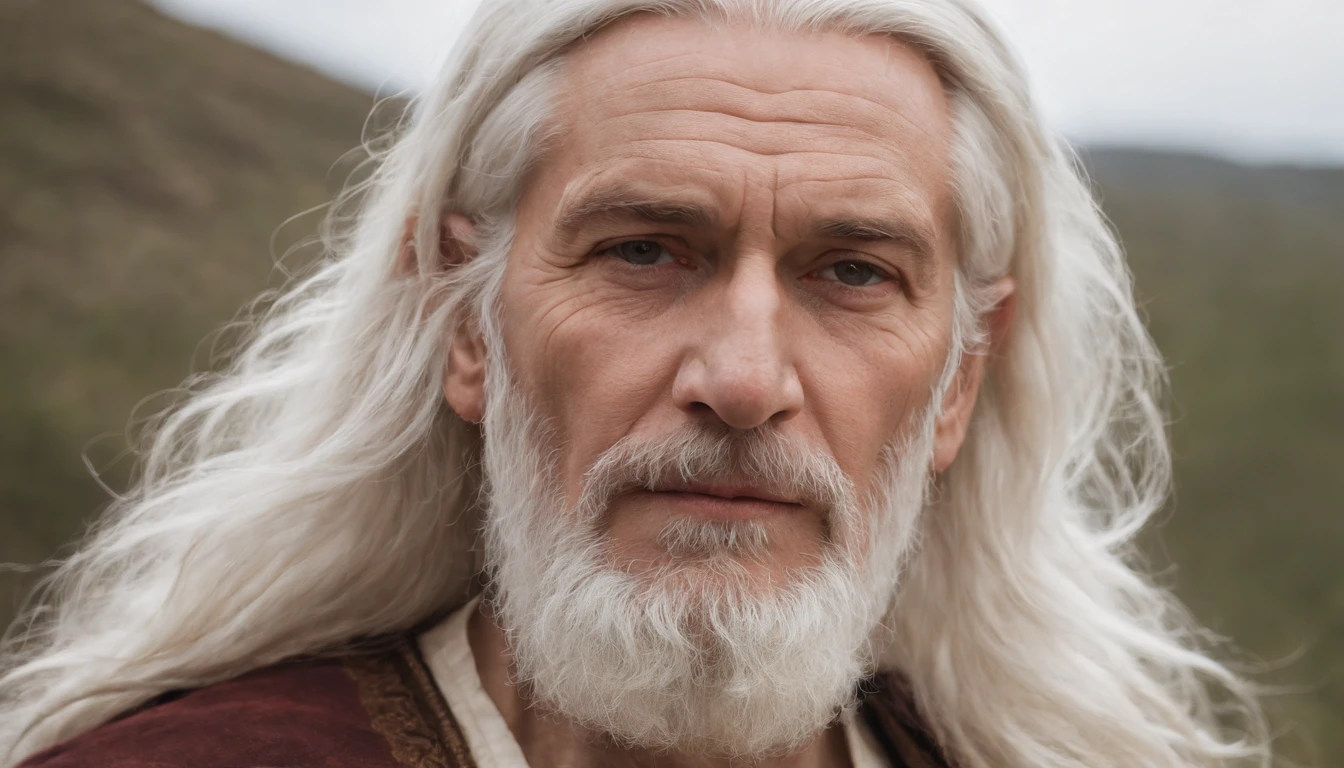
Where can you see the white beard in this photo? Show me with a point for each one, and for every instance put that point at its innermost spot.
(694, 658)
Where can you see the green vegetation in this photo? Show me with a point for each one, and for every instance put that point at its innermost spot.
(145, 167)
(1239, 270)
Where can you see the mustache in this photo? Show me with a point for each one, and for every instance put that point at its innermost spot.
(700, 452)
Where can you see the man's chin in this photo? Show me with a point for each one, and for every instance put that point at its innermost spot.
(727, 656)
(722, 562)
(719, 578)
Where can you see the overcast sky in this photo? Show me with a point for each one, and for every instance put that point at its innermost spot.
(1257, 80)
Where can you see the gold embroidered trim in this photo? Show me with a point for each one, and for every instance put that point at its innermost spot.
(449, 731)
(400, 708)
(407, 709)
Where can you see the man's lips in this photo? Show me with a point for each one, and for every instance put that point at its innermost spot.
(734, 492)
(725, 501)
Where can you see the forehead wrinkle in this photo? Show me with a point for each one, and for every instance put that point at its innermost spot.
(894, 199)
(773, 202)
(747, 118)
(597, 87)
(866, 139)
(898, 196)
(604, 59)
(794, 153)
(601, 69)
(754, 140)
(648, 149)
(727, 70)
(661, 84)
(704, 102)
(858, 177)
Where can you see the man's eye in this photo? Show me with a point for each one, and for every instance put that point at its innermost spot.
(854, 273)
(642, 253)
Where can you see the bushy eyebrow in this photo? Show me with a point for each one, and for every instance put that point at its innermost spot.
(873, 229)
(619, 204)
(912, 238)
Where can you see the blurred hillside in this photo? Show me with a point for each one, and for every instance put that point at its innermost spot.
(145, 167)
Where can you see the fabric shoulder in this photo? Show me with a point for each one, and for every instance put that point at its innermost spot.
(378, 710)
(892, 716)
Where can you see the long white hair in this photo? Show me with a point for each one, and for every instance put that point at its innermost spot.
(319, 490)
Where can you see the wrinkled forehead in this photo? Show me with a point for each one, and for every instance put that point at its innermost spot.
(878, 82)
(864, 116)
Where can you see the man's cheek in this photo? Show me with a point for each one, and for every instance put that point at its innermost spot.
(601, 387)
(857, 395)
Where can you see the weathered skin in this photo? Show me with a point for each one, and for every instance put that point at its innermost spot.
(746, 143)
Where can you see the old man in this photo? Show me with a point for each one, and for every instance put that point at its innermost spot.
(703, 382)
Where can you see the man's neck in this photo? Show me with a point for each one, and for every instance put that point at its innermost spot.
(553, 742)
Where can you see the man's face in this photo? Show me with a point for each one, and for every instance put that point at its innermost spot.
(744, 229)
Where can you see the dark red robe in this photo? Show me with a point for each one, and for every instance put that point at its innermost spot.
(377, 710)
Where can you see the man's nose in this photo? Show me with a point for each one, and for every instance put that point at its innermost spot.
(740, 369)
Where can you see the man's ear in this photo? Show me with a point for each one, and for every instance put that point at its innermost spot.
(464, 367)
(457, 243)
(464, 372)
(457, 240)
(959, 400)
